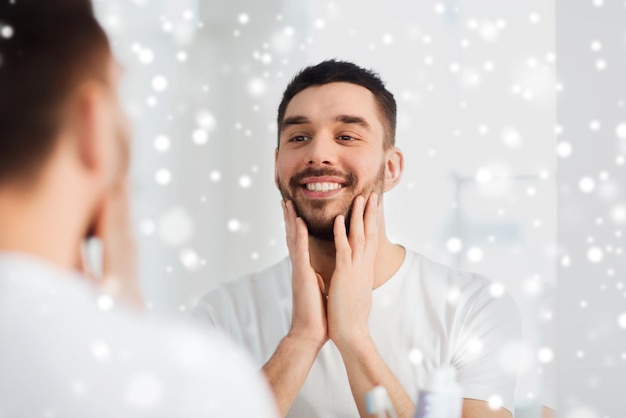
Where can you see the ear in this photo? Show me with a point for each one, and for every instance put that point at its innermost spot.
(276, 167)
(86, 122)
(394, 166)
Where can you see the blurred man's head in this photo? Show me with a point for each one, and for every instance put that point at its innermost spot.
(63, 136)
(51, 52)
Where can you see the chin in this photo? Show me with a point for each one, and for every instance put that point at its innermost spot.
(322, 232)
(325, 229)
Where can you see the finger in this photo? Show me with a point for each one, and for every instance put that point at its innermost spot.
(101, 231)
(302, 243)
(343, 256)
(323, 291)
(357, 235)
(322, 285)
(289, 227)
(115, 228)
(121, 204)
(100, 221)
(371, 220)
(80, 262)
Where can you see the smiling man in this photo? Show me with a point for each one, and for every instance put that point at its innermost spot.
(322, 191)
(349, 309)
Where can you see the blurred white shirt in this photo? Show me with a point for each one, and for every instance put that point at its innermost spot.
(68, 351)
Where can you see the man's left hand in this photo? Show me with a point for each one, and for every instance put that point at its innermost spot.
(350, 291)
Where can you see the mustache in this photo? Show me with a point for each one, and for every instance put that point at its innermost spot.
(349, 178)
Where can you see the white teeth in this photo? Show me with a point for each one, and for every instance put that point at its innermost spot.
(322, 187)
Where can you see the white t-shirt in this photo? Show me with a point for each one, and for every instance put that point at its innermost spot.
(425, 316)
(66, 352)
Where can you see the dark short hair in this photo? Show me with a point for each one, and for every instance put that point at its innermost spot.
(47, 48)
(333, 71)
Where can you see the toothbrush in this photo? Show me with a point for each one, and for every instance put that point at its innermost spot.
(377, 402)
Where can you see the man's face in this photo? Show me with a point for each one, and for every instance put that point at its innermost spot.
(331, 151)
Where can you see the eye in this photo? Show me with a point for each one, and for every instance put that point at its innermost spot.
(346, 138)
(299, 138)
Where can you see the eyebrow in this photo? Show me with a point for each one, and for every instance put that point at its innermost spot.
(356, 120)
(293, 120)
(346, 119)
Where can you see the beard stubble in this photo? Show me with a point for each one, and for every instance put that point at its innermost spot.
(319, 225)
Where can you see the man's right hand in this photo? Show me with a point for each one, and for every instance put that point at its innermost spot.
(113, 228)
(290, 364)
(308, 318)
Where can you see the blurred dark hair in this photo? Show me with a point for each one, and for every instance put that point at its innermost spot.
(332, 71)
(47, 48)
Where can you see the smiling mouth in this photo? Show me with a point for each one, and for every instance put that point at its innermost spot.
(322, 186)
(321, 183)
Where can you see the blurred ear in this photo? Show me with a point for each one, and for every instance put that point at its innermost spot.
(86, 123)
(394, 166)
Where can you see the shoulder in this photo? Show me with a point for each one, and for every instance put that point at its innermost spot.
(436, 276)
(256, 288)
(199, 371)
(195, 369)
(273, 276)
(118, 354)
(466, 291)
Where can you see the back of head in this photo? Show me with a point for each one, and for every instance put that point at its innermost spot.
(333, 71)
(47, 47)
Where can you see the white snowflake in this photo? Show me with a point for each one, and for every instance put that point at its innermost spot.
(6, 31)
(159, 83)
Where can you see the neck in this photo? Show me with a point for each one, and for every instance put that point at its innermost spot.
(389, 257)
(42, 221)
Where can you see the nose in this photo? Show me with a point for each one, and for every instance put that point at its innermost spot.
(321, 150)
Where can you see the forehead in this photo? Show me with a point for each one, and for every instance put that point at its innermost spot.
(325, 102)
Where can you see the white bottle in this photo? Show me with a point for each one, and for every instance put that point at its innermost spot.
(442, 396)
